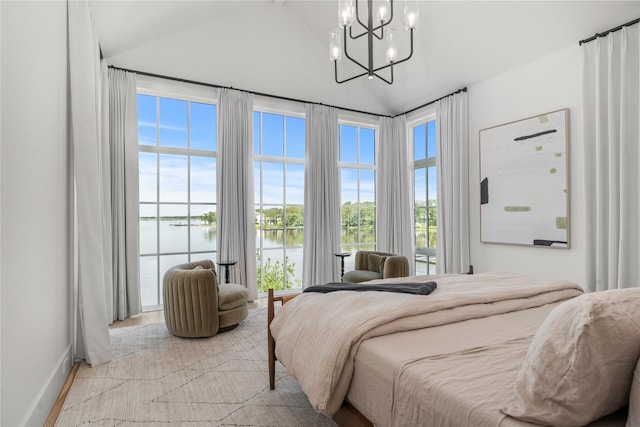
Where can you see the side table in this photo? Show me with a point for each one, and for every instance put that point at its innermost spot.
(226, 265)
(342, 256)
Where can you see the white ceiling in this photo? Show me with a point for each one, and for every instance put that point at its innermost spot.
(281, 46)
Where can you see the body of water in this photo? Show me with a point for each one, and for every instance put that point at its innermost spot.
(165, 243)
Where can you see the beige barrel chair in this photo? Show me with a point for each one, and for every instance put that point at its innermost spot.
(195, 305)
(371, 265)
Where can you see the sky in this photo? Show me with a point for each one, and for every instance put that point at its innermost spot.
(165, 122)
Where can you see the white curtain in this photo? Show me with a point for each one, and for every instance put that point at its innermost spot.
(321, 197)
(236, 209)
(92, 240)
(611, 135)
(452, 169)
(394, 212)
(123, 144)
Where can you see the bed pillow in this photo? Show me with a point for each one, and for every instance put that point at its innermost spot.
(634, 400)
(376, 263)
(580, 364)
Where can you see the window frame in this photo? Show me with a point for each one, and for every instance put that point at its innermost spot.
(423, 117)
(358, 123)
(192, 94)
(284, 109)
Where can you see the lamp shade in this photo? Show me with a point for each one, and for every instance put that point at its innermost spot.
(391, 50)
(411, 14)
(335, 44)
(382, 10)
(346, 12)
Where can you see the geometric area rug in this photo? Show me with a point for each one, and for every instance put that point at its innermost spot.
(156, 378)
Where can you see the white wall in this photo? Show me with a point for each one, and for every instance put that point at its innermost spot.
(548, 84)
(34, 254)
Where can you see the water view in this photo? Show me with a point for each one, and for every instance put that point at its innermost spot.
(173, 238)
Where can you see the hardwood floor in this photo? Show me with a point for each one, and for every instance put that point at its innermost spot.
(144, 318)
(157, 316)
(57, 406)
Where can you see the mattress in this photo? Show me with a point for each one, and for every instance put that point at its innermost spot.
(468, 366)
(314, 323)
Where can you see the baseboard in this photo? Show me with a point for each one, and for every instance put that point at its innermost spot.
(47, 397)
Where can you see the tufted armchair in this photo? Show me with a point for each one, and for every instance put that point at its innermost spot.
(195, 305)
(370, 265)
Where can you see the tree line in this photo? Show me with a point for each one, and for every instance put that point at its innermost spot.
(293, 216)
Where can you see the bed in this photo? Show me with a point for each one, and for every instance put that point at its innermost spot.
(452, 358)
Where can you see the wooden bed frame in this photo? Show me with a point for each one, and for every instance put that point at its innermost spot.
(347, 415)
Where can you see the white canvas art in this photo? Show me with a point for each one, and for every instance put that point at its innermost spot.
(524, 197)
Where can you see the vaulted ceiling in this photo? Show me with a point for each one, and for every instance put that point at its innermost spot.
(281, 47)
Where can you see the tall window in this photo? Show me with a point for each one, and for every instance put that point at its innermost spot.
(177, 172)
(358, 183)
(279, 147)
(425, 196)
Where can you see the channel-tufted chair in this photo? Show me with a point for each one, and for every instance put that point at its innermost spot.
(195, 305)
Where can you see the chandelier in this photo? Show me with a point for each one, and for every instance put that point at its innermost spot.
(379, 16)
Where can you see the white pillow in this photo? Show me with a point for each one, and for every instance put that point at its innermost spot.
(634, 400)
(580, 364)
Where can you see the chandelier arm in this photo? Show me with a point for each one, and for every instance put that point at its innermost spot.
(364, 33)
(366, 27)
(383, 79)
(335, 63)
(381, 36)
(346, 52)
(358, 17)
(400, 61)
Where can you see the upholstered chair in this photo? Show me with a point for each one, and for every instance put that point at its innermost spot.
(371, 265)
(195, 305)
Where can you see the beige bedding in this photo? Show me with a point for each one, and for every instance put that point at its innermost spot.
(450, 375)
(380, 360)
(318, 335)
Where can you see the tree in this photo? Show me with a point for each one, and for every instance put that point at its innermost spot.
(294, 216)
(209, 218)
(349, 216)
(273, 274)
(272, 217)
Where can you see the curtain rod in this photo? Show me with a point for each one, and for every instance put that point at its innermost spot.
(177, 79)
(285, 98)
(619, 27)
(464, 89)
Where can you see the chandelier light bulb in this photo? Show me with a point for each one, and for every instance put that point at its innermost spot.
(391, 49)
(382, 8)
(346, 13)
(411, 14)
(335, 43)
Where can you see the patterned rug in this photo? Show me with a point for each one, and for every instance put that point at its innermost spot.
(158, 379)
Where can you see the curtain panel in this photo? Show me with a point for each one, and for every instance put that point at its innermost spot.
(124, 298)
(321, 197)
(611, 134)
(394, 191)
(92, 234)
(452, 170)
(236, 209)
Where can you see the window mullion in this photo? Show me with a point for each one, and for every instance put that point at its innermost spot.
(163, 161)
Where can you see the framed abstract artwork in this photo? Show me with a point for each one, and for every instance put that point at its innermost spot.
(524, 181)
